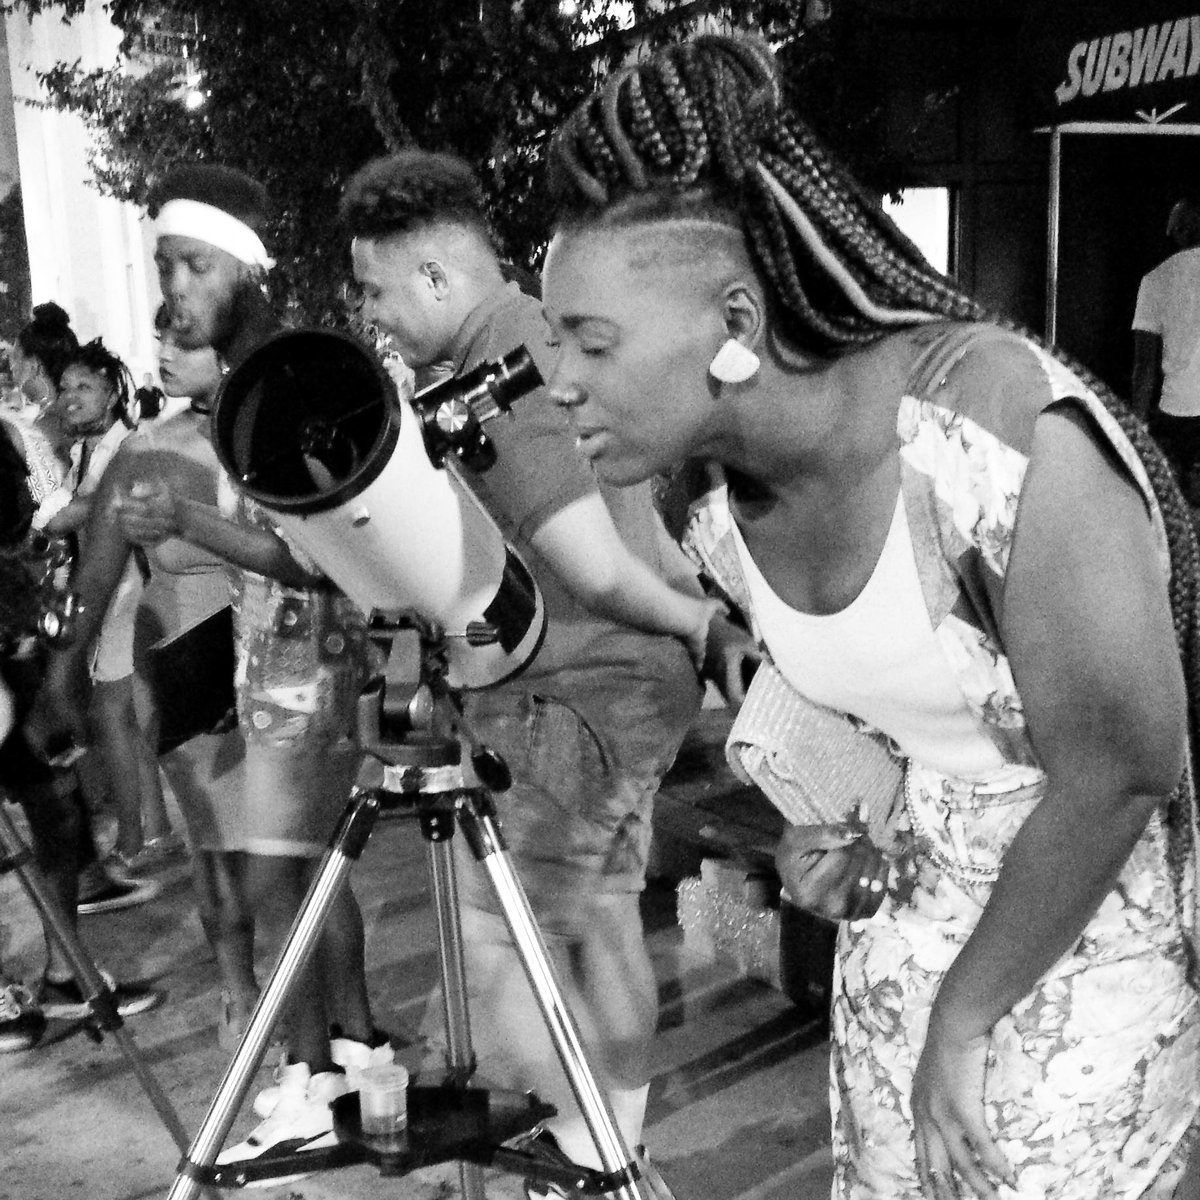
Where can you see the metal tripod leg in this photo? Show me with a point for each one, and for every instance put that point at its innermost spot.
(346, 846)
(621, 1171)
(438, 828)
(15, 855)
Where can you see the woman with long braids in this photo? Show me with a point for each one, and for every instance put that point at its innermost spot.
(944, 533)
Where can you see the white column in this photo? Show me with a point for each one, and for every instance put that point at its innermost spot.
(86, 251)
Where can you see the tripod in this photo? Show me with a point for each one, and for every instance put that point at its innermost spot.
(414, 746)
(103, 1016)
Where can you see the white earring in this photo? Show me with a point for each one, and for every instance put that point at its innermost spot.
(733, 363)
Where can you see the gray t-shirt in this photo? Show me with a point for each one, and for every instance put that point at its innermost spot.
(537, 474)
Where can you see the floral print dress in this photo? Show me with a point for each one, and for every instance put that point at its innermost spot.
(1093, 1079)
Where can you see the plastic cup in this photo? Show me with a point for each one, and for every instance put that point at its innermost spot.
(383, 1100)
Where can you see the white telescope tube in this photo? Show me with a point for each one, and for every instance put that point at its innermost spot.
(310, 426)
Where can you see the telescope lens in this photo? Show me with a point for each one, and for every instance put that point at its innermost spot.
(301, 421)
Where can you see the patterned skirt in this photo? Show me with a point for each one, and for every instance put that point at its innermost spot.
(1093, 1079)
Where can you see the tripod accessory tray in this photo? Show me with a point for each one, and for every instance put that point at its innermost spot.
(445, 1121)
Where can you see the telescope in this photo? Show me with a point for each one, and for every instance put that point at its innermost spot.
(311, 427)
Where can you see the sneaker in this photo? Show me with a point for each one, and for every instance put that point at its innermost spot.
(116, 893)
(353, 1057)
(542, 1144)
(21, 1021)
(301, 1120)
(653, 1185)
(68, 1001)
(546, 1190)
(155, 853)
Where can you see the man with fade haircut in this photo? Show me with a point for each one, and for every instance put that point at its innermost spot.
(592, 724)
(268, 803)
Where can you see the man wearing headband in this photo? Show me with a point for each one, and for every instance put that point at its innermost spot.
(212, 263)
(265, 822)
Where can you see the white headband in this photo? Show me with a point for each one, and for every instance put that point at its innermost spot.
(206, 223)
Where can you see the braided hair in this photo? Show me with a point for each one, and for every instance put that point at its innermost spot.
(96, 357)
(701, 129)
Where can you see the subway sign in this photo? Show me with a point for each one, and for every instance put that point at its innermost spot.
(1115, 61)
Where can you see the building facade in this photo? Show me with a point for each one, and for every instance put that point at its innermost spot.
(90, 253)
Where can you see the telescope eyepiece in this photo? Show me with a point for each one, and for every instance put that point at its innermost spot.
(453, 411)
(514, 376)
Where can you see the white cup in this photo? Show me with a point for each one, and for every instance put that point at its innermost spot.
(383, 1099)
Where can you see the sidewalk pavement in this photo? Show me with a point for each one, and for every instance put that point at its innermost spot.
(737, 1109)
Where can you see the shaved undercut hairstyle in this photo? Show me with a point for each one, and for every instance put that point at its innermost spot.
(702, 129)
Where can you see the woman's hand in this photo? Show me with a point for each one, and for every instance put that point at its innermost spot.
(952, 1139)
(832, 870)
(725, 653)
(150, 513)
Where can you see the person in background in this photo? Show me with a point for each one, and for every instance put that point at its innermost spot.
(37, 358)
(84, 884)
(301, 650)
(943, 532)
(95, 399)
(593, 722)
(187, 594)
(1166, 347)
(59, 828)
(148, 400)
(22, 1022)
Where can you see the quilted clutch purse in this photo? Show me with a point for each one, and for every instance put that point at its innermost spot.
(813, 763)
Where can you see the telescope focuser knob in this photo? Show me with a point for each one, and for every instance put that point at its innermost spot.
(454, 417)
(482, 633)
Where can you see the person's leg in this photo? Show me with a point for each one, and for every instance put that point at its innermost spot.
(339, 975)
(276, 887)
(156, 823)
(119, 741)
(62, 845)
(63, 848)
(608, 986)
(573, 820)
(298, 1115)
(341, 959)
(227, 919)
(625, 1015)
(59, 827)
(296, 795)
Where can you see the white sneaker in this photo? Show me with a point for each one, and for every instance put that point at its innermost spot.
(301, 1120)
(353, 1057)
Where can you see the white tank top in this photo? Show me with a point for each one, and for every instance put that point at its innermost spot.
(878, 659)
